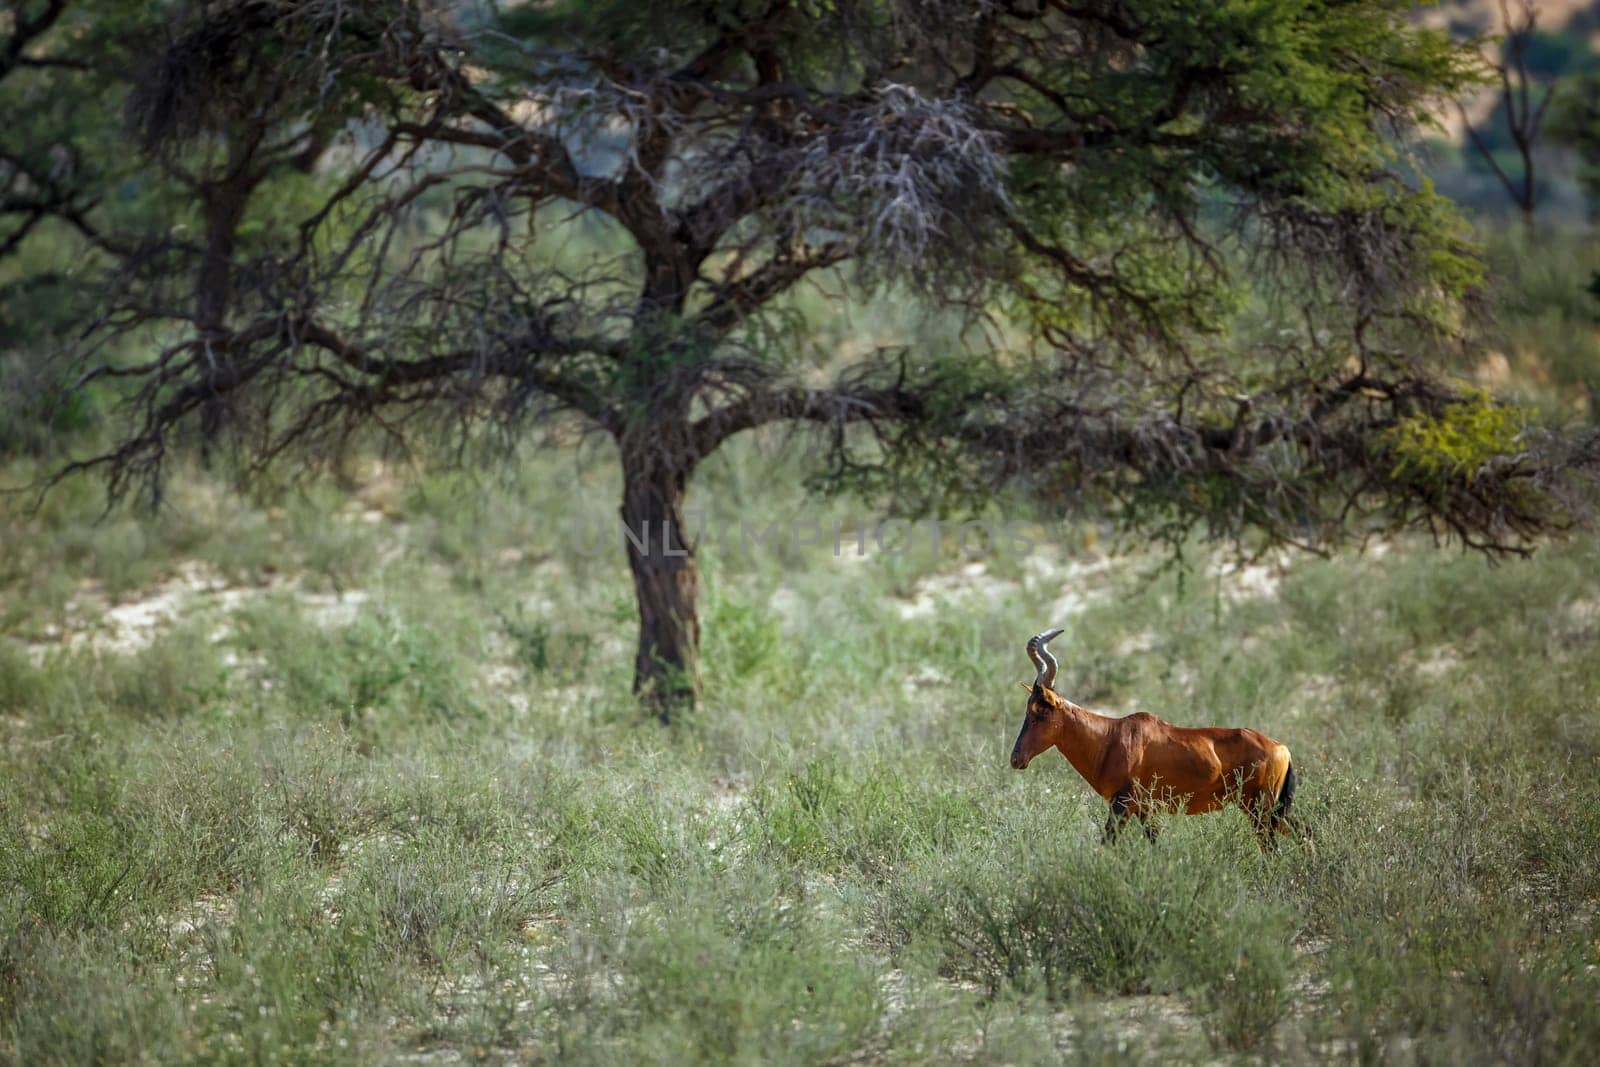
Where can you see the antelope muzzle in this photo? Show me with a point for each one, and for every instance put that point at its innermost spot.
(1020, 756)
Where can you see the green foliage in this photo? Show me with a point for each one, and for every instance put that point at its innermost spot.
(376, 669)
(1043, 909)
(1456, 444)
(743, 639)
(868, 816)
(1542, 321)
(1575, 122)
(730, 970)
(532, 639)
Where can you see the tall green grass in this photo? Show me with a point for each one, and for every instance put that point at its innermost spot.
(378, 789)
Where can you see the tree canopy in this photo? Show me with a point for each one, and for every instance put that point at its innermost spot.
(1205, 295)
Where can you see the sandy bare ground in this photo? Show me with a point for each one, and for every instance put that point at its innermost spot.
(195, 592)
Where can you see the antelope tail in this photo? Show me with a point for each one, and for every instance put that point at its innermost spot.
(1280, 810)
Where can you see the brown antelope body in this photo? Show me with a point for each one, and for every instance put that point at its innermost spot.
(1142, 765)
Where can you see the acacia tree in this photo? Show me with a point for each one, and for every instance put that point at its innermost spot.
(55, 181)
(1188, 207)
(31, 189)
(151, 132)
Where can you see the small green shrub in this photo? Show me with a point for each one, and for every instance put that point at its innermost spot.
(734, 969)
(1043, 910)
(867, 815)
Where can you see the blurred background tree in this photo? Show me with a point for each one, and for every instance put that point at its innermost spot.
(1499, 151)
(1576, 125)
(1526, 67)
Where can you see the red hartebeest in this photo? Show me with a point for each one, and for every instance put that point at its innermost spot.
(1142, 765)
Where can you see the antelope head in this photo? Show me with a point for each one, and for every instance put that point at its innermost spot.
(1041, 722)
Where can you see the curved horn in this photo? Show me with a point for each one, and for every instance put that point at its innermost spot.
(1042, 658)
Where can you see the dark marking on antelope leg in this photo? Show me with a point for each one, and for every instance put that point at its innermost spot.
(1121, 801)
(1261, 820)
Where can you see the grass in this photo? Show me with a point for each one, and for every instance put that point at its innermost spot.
(1542, 321)
(374, 787)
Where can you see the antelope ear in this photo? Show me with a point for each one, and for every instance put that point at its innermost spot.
(1026, 688)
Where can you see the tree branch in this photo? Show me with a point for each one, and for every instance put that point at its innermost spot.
(840, 406)
(735, 298)
(24, 32)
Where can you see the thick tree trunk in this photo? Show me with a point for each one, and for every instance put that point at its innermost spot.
(666, 670)
(224, 209)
